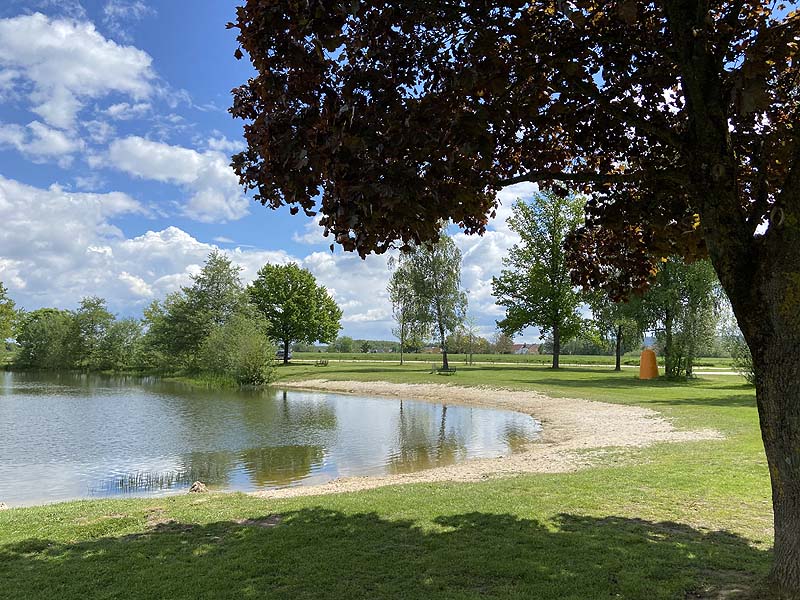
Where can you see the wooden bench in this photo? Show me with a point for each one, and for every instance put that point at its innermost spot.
(321, 363)
(435, 368)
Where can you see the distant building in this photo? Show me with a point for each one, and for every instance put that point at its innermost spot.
(525, 349)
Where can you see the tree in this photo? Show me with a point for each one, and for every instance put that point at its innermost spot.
(239, 348)
(682, 306)
(7, 314)
(620, 323)
(406, 309)
(365, 347)
(296, 309)
(177, 327)
(89, 325)
(535, 287)
(343, 344)
(431, 107)
(502, 343)
(42, 338)
(120, 346)
(434, 272)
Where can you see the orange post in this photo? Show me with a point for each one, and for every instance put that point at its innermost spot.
(648, 367)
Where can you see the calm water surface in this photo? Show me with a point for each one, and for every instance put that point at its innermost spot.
(65, 436)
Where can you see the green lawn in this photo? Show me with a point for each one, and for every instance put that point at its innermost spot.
(671, 521)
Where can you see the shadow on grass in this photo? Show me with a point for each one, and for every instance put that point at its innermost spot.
(315, 553)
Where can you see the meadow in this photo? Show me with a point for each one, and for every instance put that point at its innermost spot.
(689, 520)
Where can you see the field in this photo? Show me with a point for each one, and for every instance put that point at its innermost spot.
(672, 521)
(630, 359)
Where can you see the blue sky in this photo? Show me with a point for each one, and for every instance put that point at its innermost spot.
(114, 179)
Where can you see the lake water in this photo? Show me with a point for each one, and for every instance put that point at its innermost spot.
(66, 436)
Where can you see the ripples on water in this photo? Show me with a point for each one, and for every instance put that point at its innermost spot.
(66, 436)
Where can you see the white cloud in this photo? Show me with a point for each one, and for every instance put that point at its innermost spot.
(214, 191)
(57, 246)
(39, 142)
(124, 111)
(224, 240)
(118, 15)
(65, 62)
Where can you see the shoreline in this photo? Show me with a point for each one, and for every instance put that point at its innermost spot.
(575, 432)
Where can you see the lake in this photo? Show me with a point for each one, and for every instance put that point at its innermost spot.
(65, 436)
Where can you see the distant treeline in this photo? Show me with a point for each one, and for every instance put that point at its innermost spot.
(215, 327)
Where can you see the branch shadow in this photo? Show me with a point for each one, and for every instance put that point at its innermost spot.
(318, 553)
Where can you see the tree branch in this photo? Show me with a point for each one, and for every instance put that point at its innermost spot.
(535, 176)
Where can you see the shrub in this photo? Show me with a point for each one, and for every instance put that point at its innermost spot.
(240, 349)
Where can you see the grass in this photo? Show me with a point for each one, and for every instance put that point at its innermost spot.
(630, 359)
(670, 521)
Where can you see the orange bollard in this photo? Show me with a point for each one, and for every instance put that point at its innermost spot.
(648, 367)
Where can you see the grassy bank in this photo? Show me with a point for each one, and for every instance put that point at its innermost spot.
(671, 521)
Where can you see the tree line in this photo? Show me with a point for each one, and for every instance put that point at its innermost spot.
(684, 304)
(216, 326)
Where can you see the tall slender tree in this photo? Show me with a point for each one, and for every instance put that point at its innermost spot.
(535, 287)
(410, 318)
(434, 272)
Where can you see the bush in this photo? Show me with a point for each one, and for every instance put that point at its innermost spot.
(240, 349)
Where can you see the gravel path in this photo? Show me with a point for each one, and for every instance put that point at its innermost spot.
(574, 433)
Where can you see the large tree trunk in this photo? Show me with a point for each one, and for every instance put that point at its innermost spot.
(556, 346)
(778, 395)
(286, 352)
(618, 362)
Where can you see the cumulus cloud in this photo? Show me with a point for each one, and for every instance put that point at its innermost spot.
(62, 63)
(124, 111)
(214, 192)
(40, 143)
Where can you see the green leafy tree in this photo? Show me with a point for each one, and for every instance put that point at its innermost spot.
(365, 347)
(502, 343)
(120, 347)
(178, 326)
(8, 314)
(434, 272)
(343, 344)
(90, 323)
(239, 348)
(535, 287)
(681, 305)
(295, 307)
(42, 339)
(410, 320)
(621, 324)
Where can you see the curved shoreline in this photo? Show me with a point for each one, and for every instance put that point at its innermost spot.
(571, 429)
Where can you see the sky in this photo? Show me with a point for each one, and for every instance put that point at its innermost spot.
(115, 144)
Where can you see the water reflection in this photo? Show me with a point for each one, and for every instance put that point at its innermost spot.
(69, 436)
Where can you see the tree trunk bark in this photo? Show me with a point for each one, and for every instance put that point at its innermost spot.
(669, 351)
(618, 363)
(443, 342)
(556, 346)
(778, 396)
(286, 352)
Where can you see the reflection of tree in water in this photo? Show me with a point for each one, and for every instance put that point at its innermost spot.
(212, 468)
(281, 465)
(517, 436)
(421, 444)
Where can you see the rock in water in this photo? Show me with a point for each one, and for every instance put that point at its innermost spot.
(198, 487)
